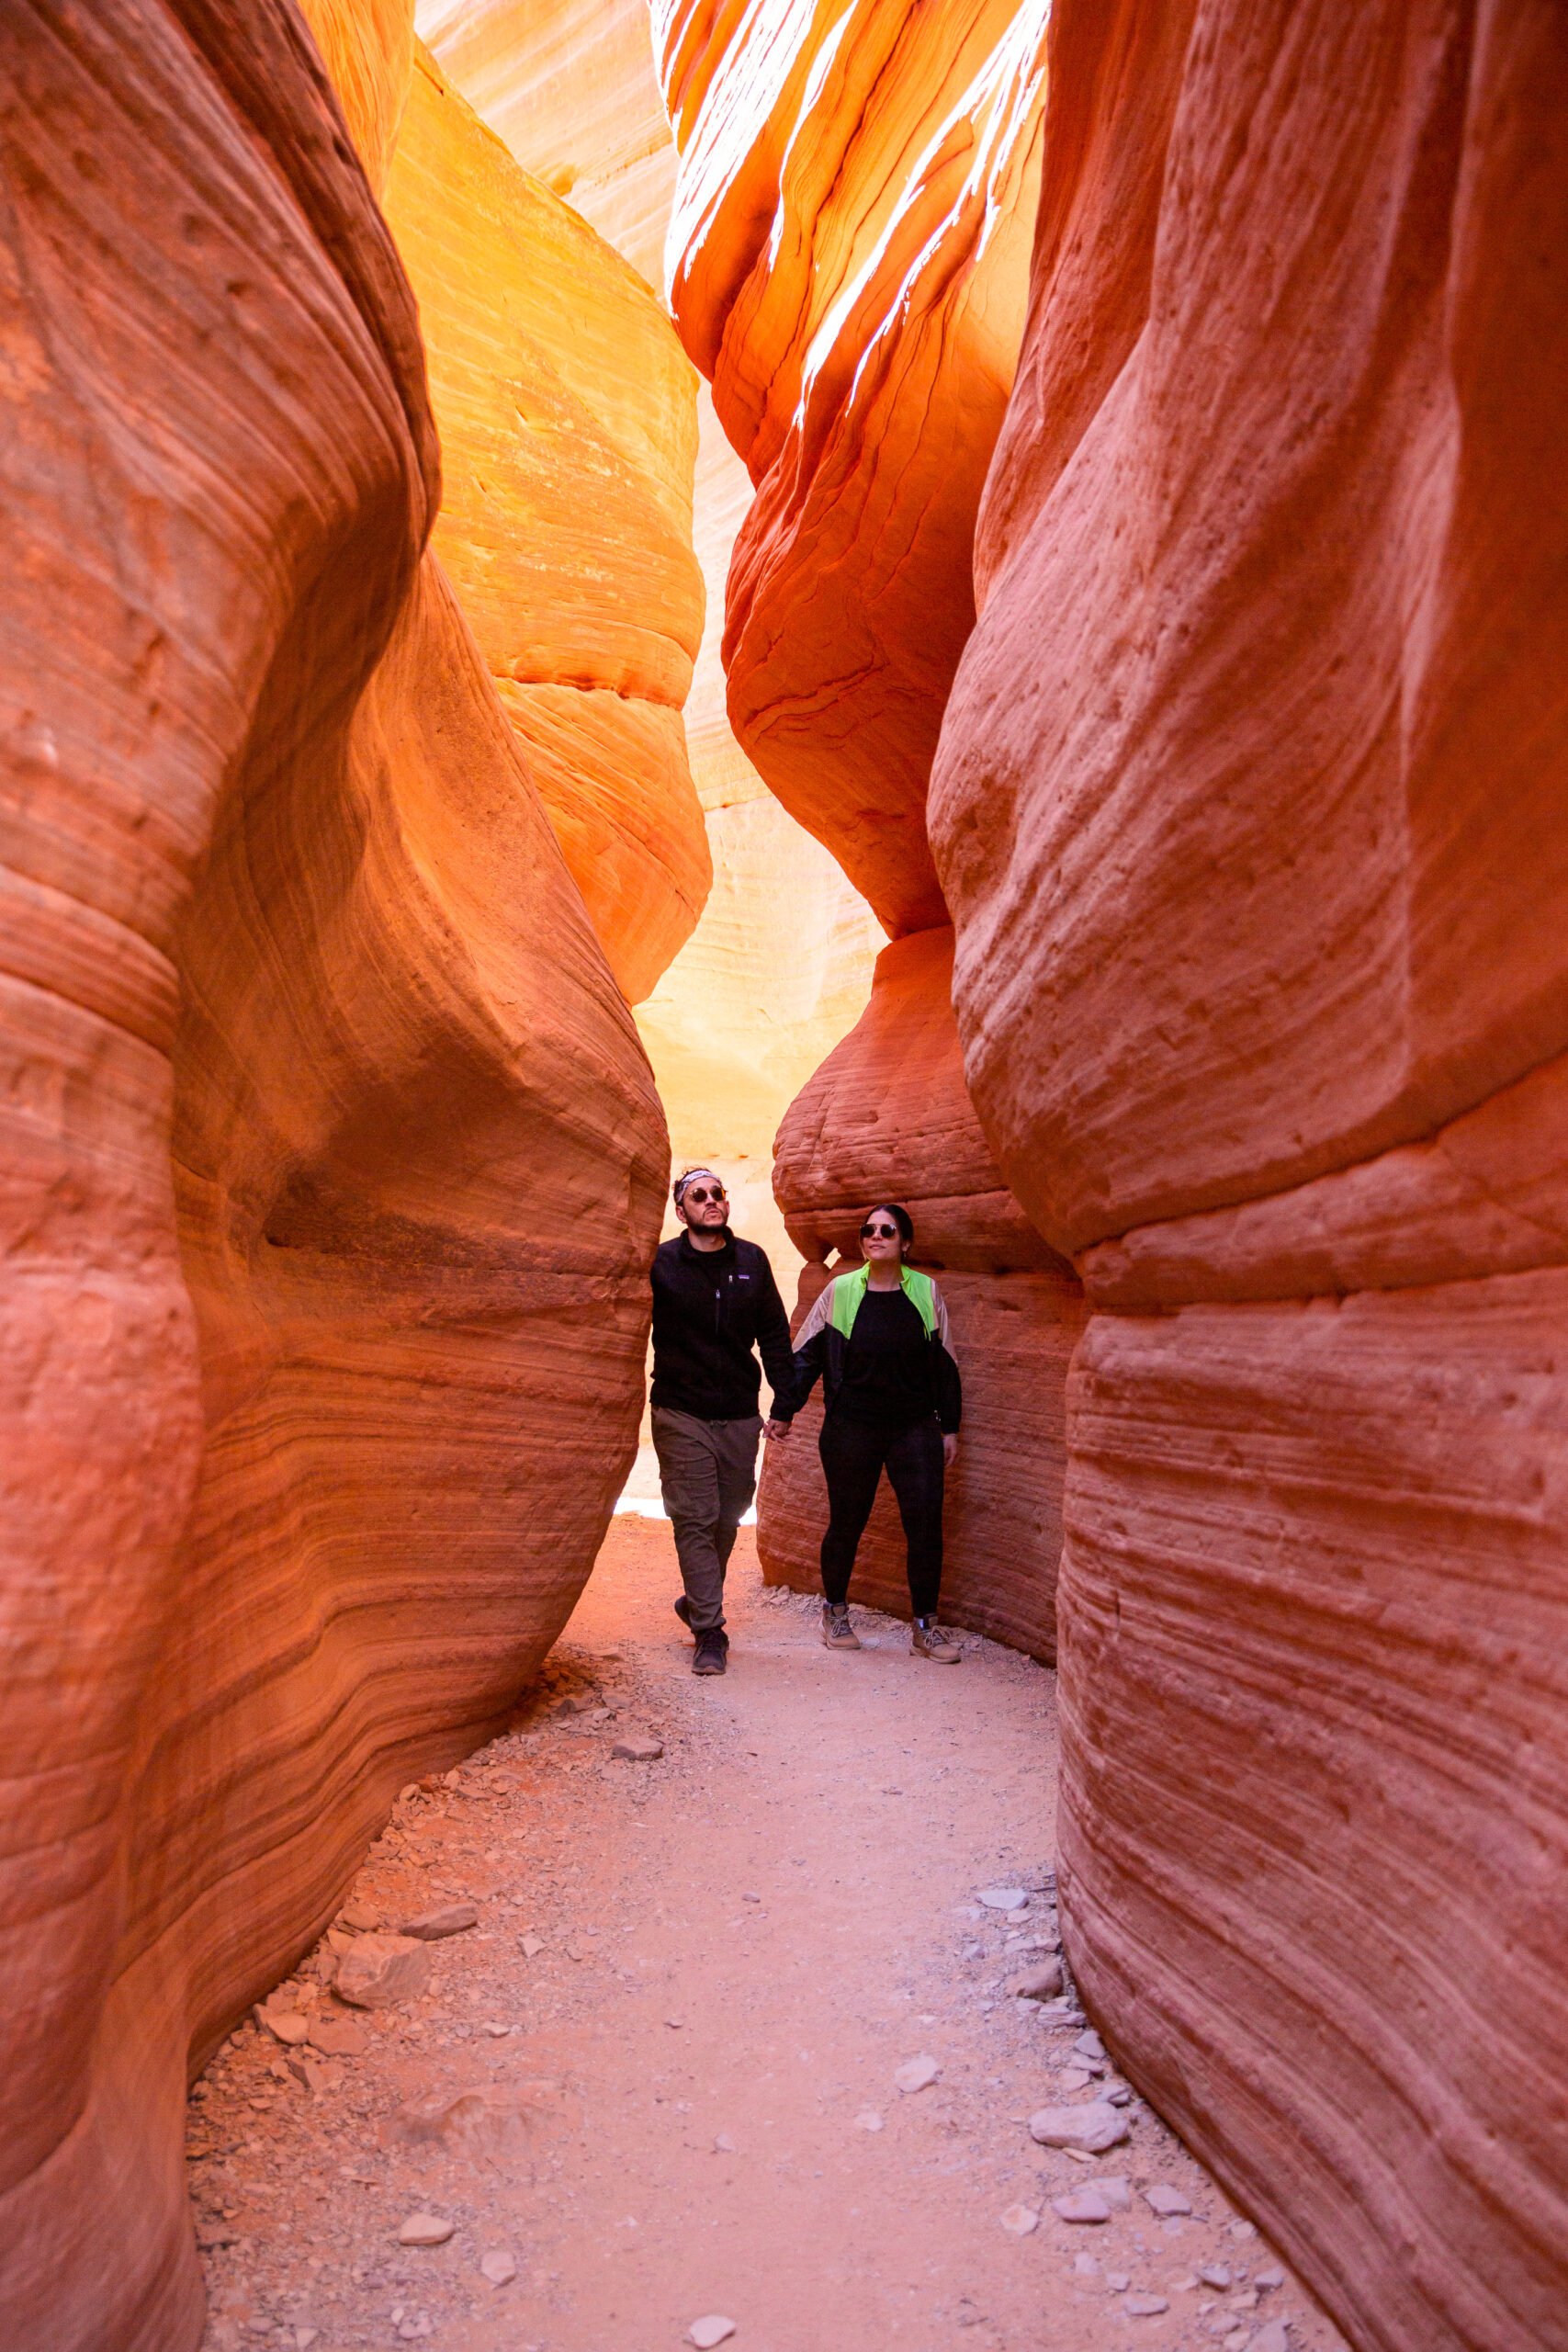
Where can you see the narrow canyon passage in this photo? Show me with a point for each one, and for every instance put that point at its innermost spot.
(657, 2081)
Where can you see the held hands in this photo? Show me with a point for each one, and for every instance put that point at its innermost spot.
(776, 1430)
(949, 1451)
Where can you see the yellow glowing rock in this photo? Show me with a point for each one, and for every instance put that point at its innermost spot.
(568, 432)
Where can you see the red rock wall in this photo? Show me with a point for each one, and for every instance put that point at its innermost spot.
(849, 252)
(367, 1343)
(887, 1117)
(1248, 809)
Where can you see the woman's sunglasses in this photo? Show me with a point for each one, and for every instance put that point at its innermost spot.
(700, 1192)
(879, 1233)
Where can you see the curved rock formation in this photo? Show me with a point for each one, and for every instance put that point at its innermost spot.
(887, 1117)
(567, 434)
(779, 966)
(1248, 811)
(849, 255)
(308, 1445)
(569, 85)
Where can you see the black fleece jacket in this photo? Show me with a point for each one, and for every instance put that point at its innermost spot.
(711, 1307)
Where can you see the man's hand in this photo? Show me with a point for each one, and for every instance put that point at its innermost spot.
(949, 1451)
(776, 1429)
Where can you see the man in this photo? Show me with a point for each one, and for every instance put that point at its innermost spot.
(715, 1300)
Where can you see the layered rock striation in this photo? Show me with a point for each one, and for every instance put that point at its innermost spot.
(1248, 812)
(779, 965)
(887, 1117)
(331, 1159)
(848, 255)
(568, 424)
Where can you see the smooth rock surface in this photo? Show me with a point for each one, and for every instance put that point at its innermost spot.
(916, 2074)
(849, 255)
(1247, 812)
(1091, 2128)
(426, 2229)
(326, 1136)
(887, 1116)
(382, 1971)
(568, 542)
(432, 1926)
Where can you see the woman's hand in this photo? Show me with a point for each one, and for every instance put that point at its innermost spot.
(779, 1430)
(949, 1450)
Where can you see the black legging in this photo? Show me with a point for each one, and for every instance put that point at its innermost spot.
(853, 1458)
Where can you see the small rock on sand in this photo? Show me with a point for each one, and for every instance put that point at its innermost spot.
(1081, 2205)
(1003, 1898)
(1090, 2128)
(1275, 2337)
(426, 2229)
(1146, 2306)
(497, 2266)
(337, 2038)
(916, 2074)
(1041, 1983)
(431, 1926)
(359, 1916)
(381, 1970)
(705, 2333)
(1021, 2219)
(287, 2025)
(532, 1946)
(868, 2120)
(1162, 2199)
(637, 1749)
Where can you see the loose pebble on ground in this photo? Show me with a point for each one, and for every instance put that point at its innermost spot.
(693, 1996)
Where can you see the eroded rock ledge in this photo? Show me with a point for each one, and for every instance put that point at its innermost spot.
(331, 1162)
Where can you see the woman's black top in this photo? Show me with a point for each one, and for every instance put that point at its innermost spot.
(887, 1373)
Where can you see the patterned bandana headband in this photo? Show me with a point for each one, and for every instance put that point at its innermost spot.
(691, 1177)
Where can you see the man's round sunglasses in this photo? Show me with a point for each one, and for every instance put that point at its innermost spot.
(701, 1192)
(879, 1233)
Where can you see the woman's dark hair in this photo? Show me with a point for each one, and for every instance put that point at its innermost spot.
(900, 1216)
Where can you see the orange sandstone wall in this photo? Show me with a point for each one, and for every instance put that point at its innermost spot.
(848, 257)
(568, 424)
(331, 1162)
(779, 965)
(887, 1117)
(1249, 811)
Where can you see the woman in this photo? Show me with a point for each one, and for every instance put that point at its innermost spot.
(878, 1337)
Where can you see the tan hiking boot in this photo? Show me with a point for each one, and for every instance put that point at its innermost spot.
(836, 1630)
(928, 1640)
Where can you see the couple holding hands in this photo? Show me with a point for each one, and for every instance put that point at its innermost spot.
(877, 1337)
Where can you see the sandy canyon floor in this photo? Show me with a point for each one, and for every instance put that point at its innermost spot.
(655, 2084)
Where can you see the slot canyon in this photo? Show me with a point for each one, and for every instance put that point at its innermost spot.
(954, 603)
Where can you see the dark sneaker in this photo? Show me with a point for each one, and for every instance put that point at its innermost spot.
(836, 1630)
(683, 1609)
(928, 1640)
(713, 1651)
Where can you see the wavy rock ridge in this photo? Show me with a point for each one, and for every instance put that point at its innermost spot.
(567, 433)
(848, 263)
(331, 1162)
(1248, 811)
(780, 964)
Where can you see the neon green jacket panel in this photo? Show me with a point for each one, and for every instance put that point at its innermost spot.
(847, 1290)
